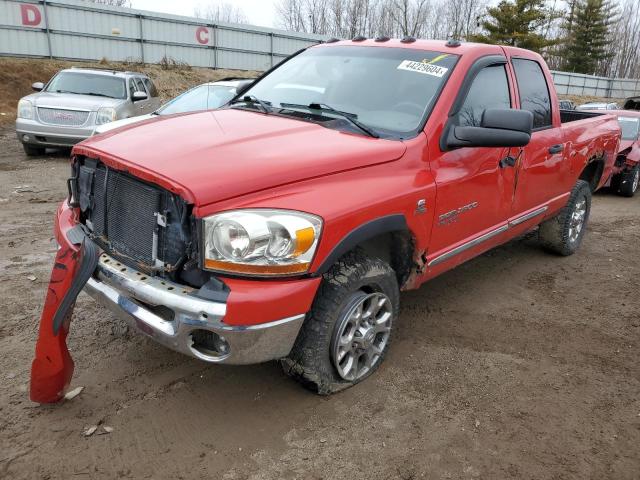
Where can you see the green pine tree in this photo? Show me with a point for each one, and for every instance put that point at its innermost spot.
(517, 23)
(589, 35)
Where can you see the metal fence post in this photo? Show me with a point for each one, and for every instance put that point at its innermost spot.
(46, 25)
(271, 46)
(140, 22)
(215, 46)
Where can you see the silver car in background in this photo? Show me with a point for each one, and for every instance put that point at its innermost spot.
(598, 106)
(207, 96)
(68, 108)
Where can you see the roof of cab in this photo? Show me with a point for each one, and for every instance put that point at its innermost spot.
(105, 71)
(459, 48)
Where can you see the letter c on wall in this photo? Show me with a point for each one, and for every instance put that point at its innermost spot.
(202, 35)
(31, 16)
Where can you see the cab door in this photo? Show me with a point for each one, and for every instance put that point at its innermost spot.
(142, 107)
(474, 187)
(542, 169)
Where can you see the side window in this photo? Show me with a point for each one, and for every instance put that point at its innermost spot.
(140, 85)
(151, 88)
(490, 89)
(534, 92)
(132, 88)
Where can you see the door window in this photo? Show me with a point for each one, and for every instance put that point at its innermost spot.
(534, 92)
(151, 88)
(490, 89)
(140, 85)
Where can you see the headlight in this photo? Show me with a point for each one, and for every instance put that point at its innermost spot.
(261, 242)
(105, 115)
(25, 109)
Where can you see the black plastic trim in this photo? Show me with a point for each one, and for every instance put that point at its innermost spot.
(88, 265)
(366, 231)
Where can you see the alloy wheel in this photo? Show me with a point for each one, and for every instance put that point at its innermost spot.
(361, 335)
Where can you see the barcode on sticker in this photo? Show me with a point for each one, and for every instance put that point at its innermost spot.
(421, 67)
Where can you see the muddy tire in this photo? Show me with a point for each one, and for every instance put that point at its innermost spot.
(32, 151)
(347, 333)
(629, 182)
(563, 233)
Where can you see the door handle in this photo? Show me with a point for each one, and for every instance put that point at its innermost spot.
(556, 148)
(508, 161)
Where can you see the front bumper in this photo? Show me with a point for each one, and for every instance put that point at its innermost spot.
(171, 315)
(33, 132)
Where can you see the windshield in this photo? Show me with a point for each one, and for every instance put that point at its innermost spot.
(630, 127)
(203, 97)
(84, 83)
(387, 89)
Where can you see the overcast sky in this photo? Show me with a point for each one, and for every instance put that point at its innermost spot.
(259, 12)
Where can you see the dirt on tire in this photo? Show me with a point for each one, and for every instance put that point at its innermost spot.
(518, 364)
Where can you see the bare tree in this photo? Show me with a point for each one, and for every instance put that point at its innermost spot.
(113, 3)
(221, 11)
(626, 33)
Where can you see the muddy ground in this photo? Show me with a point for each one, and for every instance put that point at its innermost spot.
(518, 364)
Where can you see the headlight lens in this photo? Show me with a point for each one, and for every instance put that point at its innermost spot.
(25, 109)
(261, 242)
(105, 115)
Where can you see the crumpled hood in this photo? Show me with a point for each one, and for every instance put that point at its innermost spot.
(72, 101)
(211, 156)
(624, 144)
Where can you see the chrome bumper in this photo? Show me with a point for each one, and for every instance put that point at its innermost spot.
(132, 296)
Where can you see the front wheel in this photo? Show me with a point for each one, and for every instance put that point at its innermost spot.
(347, 333)
(629, 182)
(32, 150)
(563, 233)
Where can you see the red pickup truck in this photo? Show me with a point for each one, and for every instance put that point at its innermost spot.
(285, 225)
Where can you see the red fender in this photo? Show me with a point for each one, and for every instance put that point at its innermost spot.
(52, 366)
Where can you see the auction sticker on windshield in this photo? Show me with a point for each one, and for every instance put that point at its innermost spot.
(425, 68)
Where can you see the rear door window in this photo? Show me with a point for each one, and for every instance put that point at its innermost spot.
(490, 89)
(534, 92)
(151, 88)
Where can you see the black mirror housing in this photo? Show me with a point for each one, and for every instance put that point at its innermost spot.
(499, 128)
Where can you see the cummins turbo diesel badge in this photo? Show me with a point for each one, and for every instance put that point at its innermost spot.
(421, 67)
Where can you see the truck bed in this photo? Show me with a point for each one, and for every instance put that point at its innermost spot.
(567, 116)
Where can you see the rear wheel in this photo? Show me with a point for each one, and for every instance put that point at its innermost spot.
(563, 233)
(32, 150)
(347, 333)
(629, 182)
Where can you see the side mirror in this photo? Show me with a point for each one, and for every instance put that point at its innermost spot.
(38, 86)
(498, 128)
(137, 96)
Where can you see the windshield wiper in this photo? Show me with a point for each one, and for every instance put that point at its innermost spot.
(350, 117)
(252, 99)
(94, 94)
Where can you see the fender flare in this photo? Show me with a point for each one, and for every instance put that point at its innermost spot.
(366, 231)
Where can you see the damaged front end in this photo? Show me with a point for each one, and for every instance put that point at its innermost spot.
(139, 224)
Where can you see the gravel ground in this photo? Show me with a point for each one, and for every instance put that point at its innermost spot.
(518, 364)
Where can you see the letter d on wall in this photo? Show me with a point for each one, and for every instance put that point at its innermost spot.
(31, 16)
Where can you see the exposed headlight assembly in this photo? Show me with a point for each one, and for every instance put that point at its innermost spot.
(25, 109)
(260, 242)
(105, 115)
